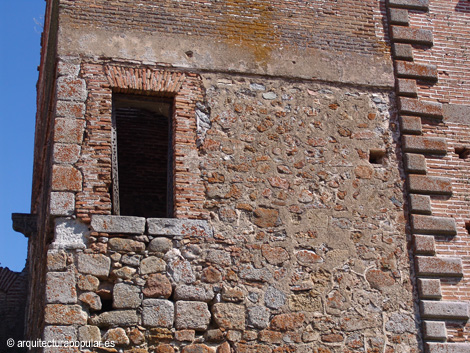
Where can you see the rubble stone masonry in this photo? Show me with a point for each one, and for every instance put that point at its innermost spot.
(319, 195)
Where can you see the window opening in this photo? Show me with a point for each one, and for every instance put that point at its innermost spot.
(376, 156)
(467, 226)
(142, 156)
(463, 152)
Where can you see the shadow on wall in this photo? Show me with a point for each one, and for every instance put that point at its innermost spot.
(463, 6)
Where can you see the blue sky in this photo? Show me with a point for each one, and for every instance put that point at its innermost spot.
(20, 33)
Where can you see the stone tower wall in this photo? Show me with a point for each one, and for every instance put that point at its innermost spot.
(290, 202)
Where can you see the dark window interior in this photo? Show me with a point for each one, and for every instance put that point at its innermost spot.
(144, 156)
(463, 152)
(376, 156)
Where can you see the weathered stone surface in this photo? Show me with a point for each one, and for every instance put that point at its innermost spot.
(59, 314)
(66, 178)
(131, 260)
(438, 266)
(160, 245)
(407, 69)
(433, 225)
(192, 315)
(62, 203)
(164, 348)
(118, 224)
(424, 244)
(173, 227)
(421, 144)
(252, 348)
(443, 310)
(250, 273)
(92, 300)
(152, 264)
(136, 336)
(88, 283)
(417, 107)
(60, 288)
(398, 16)
(400, 323)
(379, 279)
(126, 296)
(158, 313)
(71, 89)
(233, 294)
(224, 348)
(125, 272)
(211, 275)
(423, 184)
(432, 347)
(157, 286)
(434, 330)
(116, 318)
(410, 4)
(89, 333)
(74, 110)
(116, 335)
(351, 323)
(420, 204)
(94, 264)
(411, 35)
(193, 293)
(229, 316)
(403, 51)
(187, 335)
(56, 260)
(69, 130)
(66, 153)
(309, 301)
(266, 217)
(429, 288)
(308, 257)
(410, 125)
(125, 245)
(69, 234)
(219, 257)
(60, 333)
(415, 163)
(274, 298)
(275, 255)
(197, 348)
(258, 317)
(407, 87)
(287, 322)
(181, 271)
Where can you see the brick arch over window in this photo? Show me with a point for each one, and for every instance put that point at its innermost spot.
(184, 90)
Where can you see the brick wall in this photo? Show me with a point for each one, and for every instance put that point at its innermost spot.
(348, 25)
(290, 228)
(449, 22)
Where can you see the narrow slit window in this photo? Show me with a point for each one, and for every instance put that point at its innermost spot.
(376, 156)
(142, 156)
(462, 152)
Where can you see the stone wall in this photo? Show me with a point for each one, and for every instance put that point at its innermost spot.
(309, 197)
(298, 240)
(431, 73)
